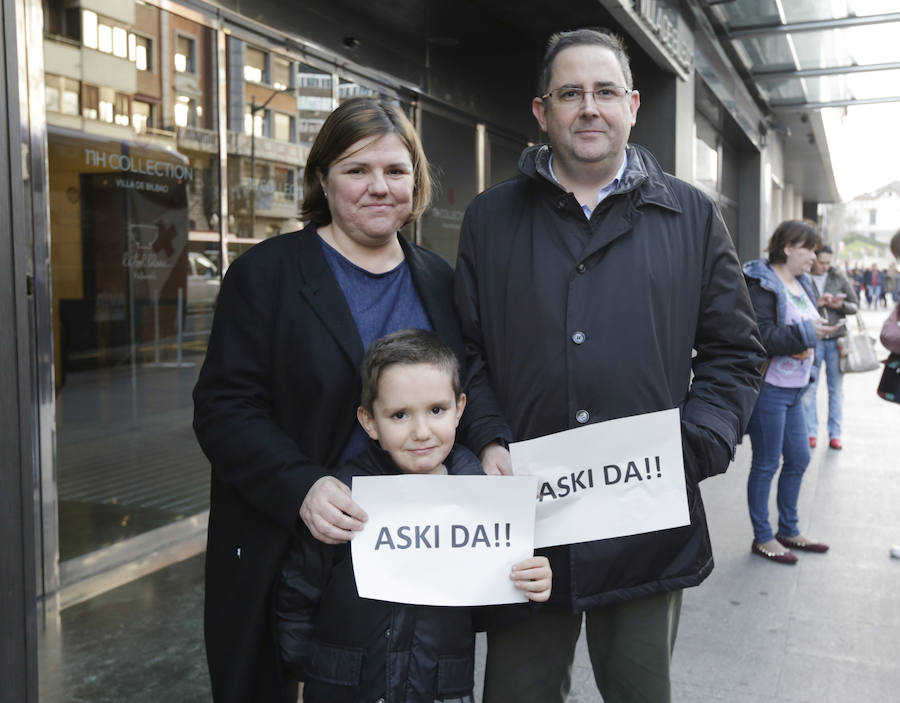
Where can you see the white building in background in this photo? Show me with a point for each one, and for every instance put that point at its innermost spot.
(874, 215)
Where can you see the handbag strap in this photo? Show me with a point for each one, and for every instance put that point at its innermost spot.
(859, 323)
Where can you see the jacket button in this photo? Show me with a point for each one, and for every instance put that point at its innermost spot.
(578, 337)
(387, 633)
(380, 700)
(581, 268)
(582, 416)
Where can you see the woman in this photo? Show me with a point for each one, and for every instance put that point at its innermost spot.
(275, 403)
(789, 325)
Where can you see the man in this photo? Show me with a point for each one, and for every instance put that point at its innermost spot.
(583, 285)
(837, 299)
(873, 281)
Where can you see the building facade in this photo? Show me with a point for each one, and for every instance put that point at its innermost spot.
(161, 139)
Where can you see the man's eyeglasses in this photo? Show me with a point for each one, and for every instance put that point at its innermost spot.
(575, 96)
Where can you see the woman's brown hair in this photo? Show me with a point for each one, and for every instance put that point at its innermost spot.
(793, 233)
(356, 119)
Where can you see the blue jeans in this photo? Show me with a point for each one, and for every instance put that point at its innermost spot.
(777, 427)
(827, 351)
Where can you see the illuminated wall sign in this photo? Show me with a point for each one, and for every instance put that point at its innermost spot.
(137, 164)
(664, 21)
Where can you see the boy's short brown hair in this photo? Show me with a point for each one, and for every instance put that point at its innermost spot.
(410, 346)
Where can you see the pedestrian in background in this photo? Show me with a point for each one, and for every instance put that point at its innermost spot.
(789, 324)
(836, 299)
(874, 281)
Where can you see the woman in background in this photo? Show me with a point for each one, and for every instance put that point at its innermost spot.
(789, 325)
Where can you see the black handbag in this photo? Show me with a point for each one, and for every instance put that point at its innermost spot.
(889, 387)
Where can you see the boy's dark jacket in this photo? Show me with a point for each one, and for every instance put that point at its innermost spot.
(349, 649)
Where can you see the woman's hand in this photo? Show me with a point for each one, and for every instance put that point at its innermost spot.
(495, 460)
(823, 329)
(835, 301)
(534, 577)
(330, 513)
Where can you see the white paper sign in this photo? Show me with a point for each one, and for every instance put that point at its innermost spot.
(443, 540)
(609, 479)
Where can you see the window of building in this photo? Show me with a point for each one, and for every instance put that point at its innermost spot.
(139, 51)
(61, 20)
(141, 115)
(52, 92)
(255, 65)
(119, 42)
(89, 28)
(186, 111)
(281, 73)
(104, 38)
(255, 123)
(123, 109)
(68, 99)
(314, 80)
(90, 99)
(185, 48)
(873, 216)
(107, 104)
(284, 183)
(283, 127)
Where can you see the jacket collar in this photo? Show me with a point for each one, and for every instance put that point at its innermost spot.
(762, 270)
(643, 175)
(375, 461)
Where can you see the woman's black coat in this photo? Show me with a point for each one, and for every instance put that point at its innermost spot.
(273, 407)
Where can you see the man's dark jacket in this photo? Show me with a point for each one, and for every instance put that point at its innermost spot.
(273, 407)
(348, 649)
(597, 319)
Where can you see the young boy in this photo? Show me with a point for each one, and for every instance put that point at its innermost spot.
(349, 649)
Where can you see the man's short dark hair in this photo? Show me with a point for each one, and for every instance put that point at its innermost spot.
(794, 233)
(824, 249)
(587, 36)
(410, 346)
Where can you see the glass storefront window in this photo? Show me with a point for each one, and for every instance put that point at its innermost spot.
(134, 216)
(450, 145)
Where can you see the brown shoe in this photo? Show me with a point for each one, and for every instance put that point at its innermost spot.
(804, 544)
(780, 558)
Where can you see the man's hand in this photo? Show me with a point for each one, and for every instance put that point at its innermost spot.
(330, 513)
(495, 460)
